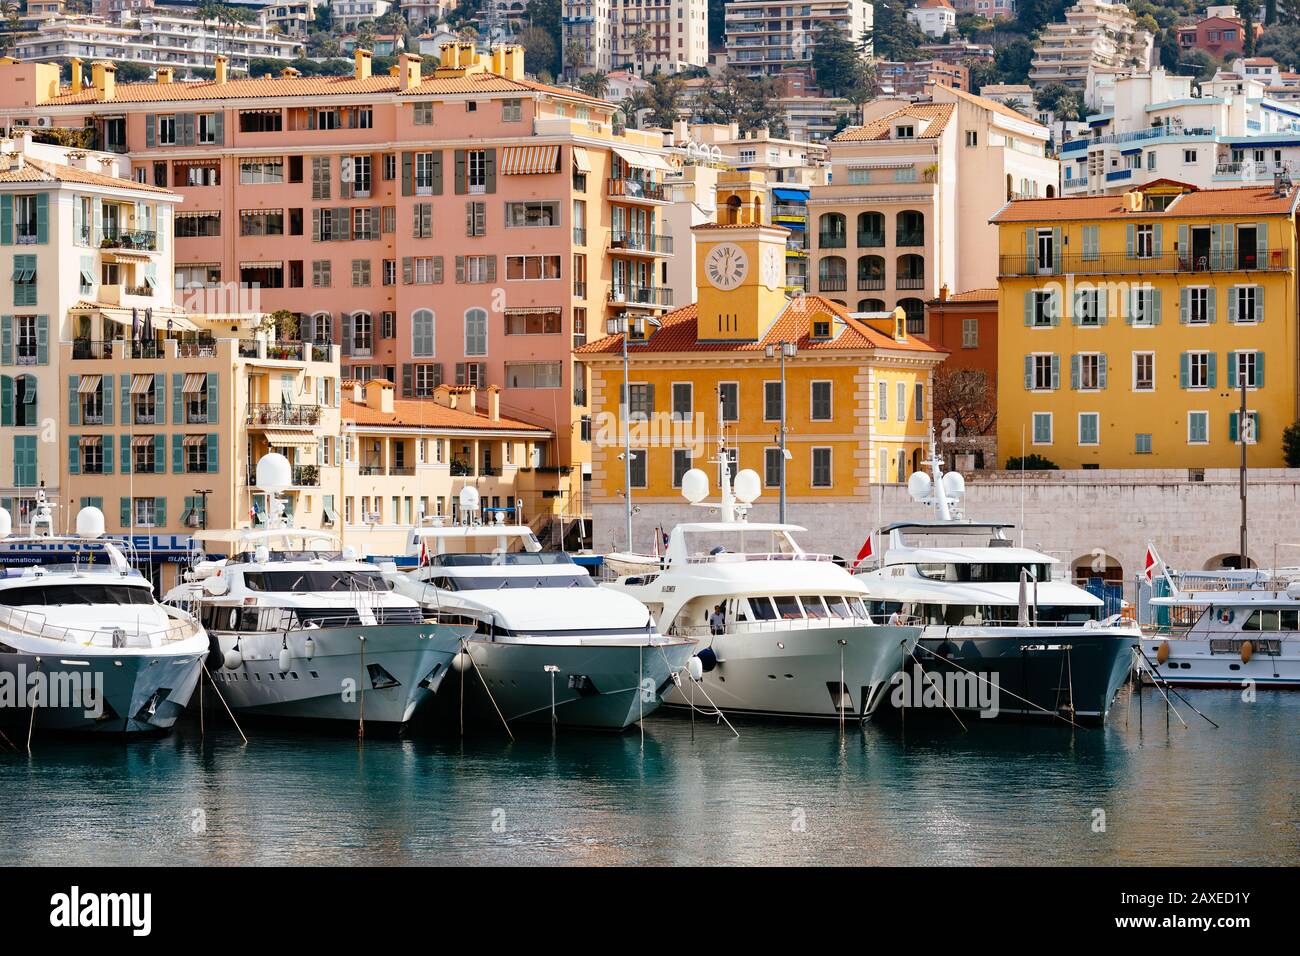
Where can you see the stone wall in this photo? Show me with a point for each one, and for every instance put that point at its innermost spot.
(1192, 518)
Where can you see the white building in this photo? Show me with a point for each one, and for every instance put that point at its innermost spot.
(350, 14)
(934, 18)
(1095, 34)
(762, 38)
(1225, 133)
(638, 36)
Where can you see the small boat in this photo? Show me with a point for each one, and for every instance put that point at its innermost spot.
(84, 645)
(548, 644)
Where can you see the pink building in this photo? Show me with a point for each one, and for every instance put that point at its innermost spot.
(467, 228)
(1220, 36)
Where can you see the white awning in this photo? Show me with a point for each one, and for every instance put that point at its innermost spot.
(283, 439)
(581, 161)
(194, 382)
(192, 440)
(90, 441)
(634, 157)
(141, 384)
(88, 384)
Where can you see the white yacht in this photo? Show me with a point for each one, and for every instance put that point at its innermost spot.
(1219, 629)
(88, 637)
(302, 630)
(993, 616)
(782, 632)
(549, 644)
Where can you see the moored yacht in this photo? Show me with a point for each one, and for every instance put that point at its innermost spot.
(303, 630)
(548, 643)
(84, 642)
(995, 624)
(1219, 629)
(782, 632)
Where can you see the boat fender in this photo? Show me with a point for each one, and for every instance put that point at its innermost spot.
(234, 660)
(309, 648)
(1162, 652)
(708, 660)
(285, 659)
(461, 662)
(695, 668)
(1246, 651)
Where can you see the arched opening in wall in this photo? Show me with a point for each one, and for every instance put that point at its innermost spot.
(1228, 562)
(758, 210)
(1051, 191)
(733, 211)
(871, 305)
(1097, 567)
(916, 459)
(1010, 188)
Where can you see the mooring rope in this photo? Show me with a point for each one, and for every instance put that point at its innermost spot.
(1000, 690)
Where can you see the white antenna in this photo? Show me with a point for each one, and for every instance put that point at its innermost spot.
(943, 491)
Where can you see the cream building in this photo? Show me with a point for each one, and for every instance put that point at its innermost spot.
(1095, 35)
(767, 38)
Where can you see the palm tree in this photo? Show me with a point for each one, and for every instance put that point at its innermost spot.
(575, 56)
(595, 83)
(641, 44)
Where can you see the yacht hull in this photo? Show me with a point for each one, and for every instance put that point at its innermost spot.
(382, 673)
(1038, 672)
(1194, 663)
(796, 673)
(597, 686)
(128, 693)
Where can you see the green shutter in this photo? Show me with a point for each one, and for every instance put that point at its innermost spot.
(125, 513)
(42, 218)
(1232, 370)
(106, 396)
(178, 453)
(42, 340)
(1029, 373)
(491, 170)
(6, 340)
(1232, 426)
(214, 456)
(1074, 372)
(160, 398)
(1232, 304)
(1155, 306)
(107, 454)
(74, 400)
(1259, 307)
(1130, 240)
(178, 404)
(126, 454)
(159, 454)
(1184, 369)
(1259, 369)
(1211, 304)
(1184, 305)
(1056, 372)
(160, 512)
(74, 454)
(1029, 305)
(1101, 370)
(126, 399)
(7, 219)
(1212, 370)
(214, 397)
(6, 400)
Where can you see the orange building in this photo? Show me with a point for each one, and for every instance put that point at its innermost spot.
(966, 325)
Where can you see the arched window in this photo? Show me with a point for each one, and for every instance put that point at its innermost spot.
(909, 228)
(322, 328)
(914, 313)
(1051, 191)
(733, 210)
(476, 332)
(832, 274)
(871, 305)
(871, 273)
(832, 232)
(358, 334)
(422, 345)
(910, 272)
(871, 229)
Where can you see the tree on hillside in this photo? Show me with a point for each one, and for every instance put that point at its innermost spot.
(1014, 60)
(1063, 102)
(893, 36)
(966, 397)
(540, 49)
(595, 83)
(544, 15)
(1282, 43)
(836, 63)
(735, 97)
(1248, 10)
(664, 99)
(324, 21)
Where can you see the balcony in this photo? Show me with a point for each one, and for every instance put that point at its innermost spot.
(1115, 263)
(832, 284)
(636, 190)
(655, 297)
(283, 413)
(872, 283)
(306, 476)
(92, 349)
(910, 282)
(641, 242)
(200, 349)
(143, 291)
(832, 240)
(1134, 136)
(144, 349)
(143, 239)
(907, 237)
(789, 211)
(871, 240)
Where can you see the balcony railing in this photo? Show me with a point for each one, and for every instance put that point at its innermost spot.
(869, 240)
(910, 282)
(140, 290)
(248, 348)
(145, 349)
(635, 189)
(200, 349)
(580, 290)
(832, 283)
(130, 239)
(1114, 263)
(405, 471)
(790, 210)
(910, 238)
(871, 283)
(640, 242)
(92, 349)
(307, 476)
(283, 413)
(1155, 132)
(832, 240)
(642, 296)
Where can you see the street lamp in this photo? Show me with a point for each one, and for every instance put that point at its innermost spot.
(624, 325)
(784, 350)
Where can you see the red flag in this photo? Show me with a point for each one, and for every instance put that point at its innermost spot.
(865, 553)
(1149, 568)
(424, 552)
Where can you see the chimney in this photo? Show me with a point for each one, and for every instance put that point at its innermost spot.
(498, 61)
(220, 62)
(513, 60)
(408, 66)
(358, 393)
(442, 396)
(450, 55)
(289, 72)
(735, 131)
(494, 402)
(78, 78)
(944, 292)
(471, 399)
(362, 60)
(103, 77)
(379, 395)
(164, 74)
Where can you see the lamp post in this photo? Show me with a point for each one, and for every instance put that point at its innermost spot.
(784, 350)
(623, 325)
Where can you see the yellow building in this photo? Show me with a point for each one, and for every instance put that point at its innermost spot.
(858, 385)
(1135, 318)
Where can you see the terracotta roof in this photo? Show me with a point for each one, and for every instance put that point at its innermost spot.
(1248, 201)
(426, 413)
(934, 5)
(40, 171)
(678, 334)
(969, 296)
(989, 104)
(290, 86)
(935, 116)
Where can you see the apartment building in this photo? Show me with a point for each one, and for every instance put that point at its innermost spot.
(1225, 131)
(911, 192)
(1220, 33)
(349, 14)
(1138, 318)
(1096, 34)
(464, 227)
(406, 460)
(934, 18)
(910, 79)
(765, 37)
(157, 39)
(988, 9)
(859, 388)
(637, 36)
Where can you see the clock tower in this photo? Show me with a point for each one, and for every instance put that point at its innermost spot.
(740, 280)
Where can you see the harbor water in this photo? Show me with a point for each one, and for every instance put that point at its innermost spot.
(924, 793)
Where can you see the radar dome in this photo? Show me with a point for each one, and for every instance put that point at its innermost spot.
(469, 499)
(90, 522)
(695, 485)
(954, 485)
(6, 523)
(748, 487)
(274, 472)
(918, 486)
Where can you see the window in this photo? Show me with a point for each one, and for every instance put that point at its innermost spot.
(1247, 302)
(1144, 306)
(773, 466)
(1142, 443)
(424, 174)
(533, 322)
(1088, 375)
(900, 404)
(532, 267)
(24, 276)
(267, 170)
(320, 177)
(821, 468)
(1042, 428)
(972, 137)
(1250, 434)
(1144, 371)
(820, 405)
(904, 132)
(478, 269)
(476, 332)
(882, 401)
(638, 468)
(362, 335)
(360, 273)
(423, 115)
(26, 218)
(1247, 366)
(208, 123)
(681, 465)
(476, 218)
(970, 333)
(1043, 305)
(729, 395)
(167, 130)
(361, 175)
(261, 222)
(1198, 428)
(1197, 371)
(144, 512)
(427, 270)
(527, 214)
(1189, 157)
(772, 401)
(1088, 307)
(422, 224)
(26, 339)
(683, 394)
(320, 274)
(252, 121)
(1089, 424)
(918, 402)
(476, 169)
(535, 375)
(390, 272)
(142, 453)
(196, 225)
(196, 453)
(1198, 309)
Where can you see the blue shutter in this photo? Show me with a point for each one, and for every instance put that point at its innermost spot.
(74, 454)
(74, 402)
(126, 454)
(1056, 372)
(42, 340)
(214, 457)
(1074, 372)
(160, 398)
(1259, 369)
(7, 393)
(1184, 369)
(1029, 373)
(178, 404)
(178, 453)
(1211, 304)
(108, 454)
(159, 454)
(106, 395)
(214, 397)
(6, 339)
(1213, 374)
(1232, 370)
(126, 399)
(125, 513)
(42, 218)
(1101, 370)
(160, 512)
(7, 219)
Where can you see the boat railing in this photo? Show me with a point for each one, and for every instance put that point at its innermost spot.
(1196, 582)
(728, 557)
(770, 627)
(276, 620)
(37, 624)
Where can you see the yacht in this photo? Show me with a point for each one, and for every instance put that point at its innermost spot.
(782, 632)
(88, 636)
(549, 644)
(301, 629)
(1000, 634)
(1219, 629)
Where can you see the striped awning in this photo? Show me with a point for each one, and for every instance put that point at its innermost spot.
(192, 440)
(140, 384)
(194, 382)
(581, 161)
(639, 160)
(88, 384)
(277, 264)
(90, 441)
(279, 439)
(126, 255)
(141, 441)
(195, 214)
(530, 160)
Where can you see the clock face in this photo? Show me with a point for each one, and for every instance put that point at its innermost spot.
(726, 266)
(773, 268)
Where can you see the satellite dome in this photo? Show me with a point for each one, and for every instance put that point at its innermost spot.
(90, 522)
(274, 472)
(695, 486)
(748, 486)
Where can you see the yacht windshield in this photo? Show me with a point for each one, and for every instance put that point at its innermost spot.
(511, 582)
(53, 595)
(993, 573)
(517, 559)
(740, 541)
(315, 580)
